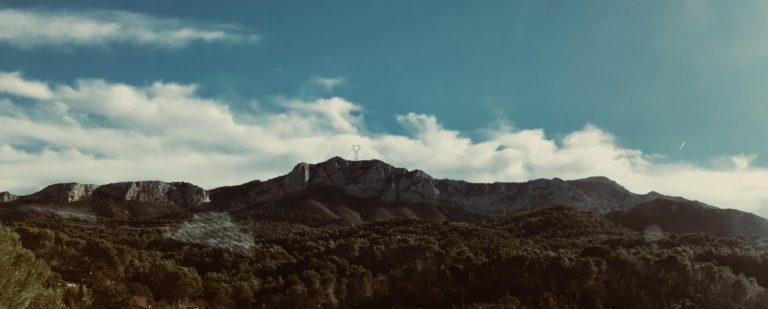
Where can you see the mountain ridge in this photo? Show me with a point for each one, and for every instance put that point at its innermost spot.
(377, 179)
(365, 179)
(179, 194)
(339, 191)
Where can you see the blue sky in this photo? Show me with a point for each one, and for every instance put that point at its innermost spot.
(645, 72)
(637, 78)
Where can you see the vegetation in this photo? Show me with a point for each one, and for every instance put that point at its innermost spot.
(684, 217)
(24, 280)
(555, 258)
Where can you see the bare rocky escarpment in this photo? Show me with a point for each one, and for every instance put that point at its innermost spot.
(179, 194)
(61, 193)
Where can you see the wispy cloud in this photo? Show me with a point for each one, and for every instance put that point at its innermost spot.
(58, 131)
(328, 83)
(40, 28)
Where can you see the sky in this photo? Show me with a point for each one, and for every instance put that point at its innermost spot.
(657, 95)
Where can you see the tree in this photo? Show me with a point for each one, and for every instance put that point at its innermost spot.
(242, 294)
(78, 297)
(24, 280)
(215, 292)
(175, 283)
(110, 295)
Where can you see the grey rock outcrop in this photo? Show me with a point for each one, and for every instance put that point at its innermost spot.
(7, 197)
(380, 181)
(180, 194)
(61, 193)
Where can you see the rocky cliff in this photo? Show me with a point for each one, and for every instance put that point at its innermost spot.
(179, 194)
(384, 183)
(7, 197)
(60, 193)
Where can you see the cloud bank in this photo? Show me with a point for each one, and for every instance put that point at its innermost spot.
(97, 131)
(40, 28)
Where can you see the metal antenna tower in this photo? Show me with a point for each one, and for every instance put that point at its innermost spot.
(356, 149)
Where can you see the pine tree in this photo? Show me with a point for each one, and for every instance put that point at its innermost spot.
(24, 279)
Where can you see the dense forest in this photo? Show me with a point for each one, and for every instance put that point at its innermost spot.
(553, 258)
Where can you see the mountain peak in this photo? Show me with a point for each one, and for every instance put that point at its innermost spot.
(7, 197)
(336, 160)
(364, 178)
(601, 179)
(338, 171)
(341, 163)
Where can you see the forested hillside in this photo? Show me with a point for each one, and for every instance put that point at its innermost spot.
(554, 258)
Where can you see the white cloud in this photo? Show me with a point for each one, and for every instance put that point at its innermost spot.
(14, 83)
(97, 131)
(741, 161)
(328, 83)
(35, 28)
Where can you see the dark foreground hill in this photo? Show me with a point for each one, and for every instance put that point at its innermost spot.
(553, 258)
(686, 217)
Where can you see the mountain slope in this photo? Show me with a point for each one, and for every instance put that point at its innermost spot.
(329, 205)
(686, 217)
(380, 181)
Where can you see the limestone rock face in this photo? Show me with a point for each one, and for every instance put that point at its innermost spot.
(180, 194)
(298, 178)
(61, 193)
(7, 197)
(380, 181)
